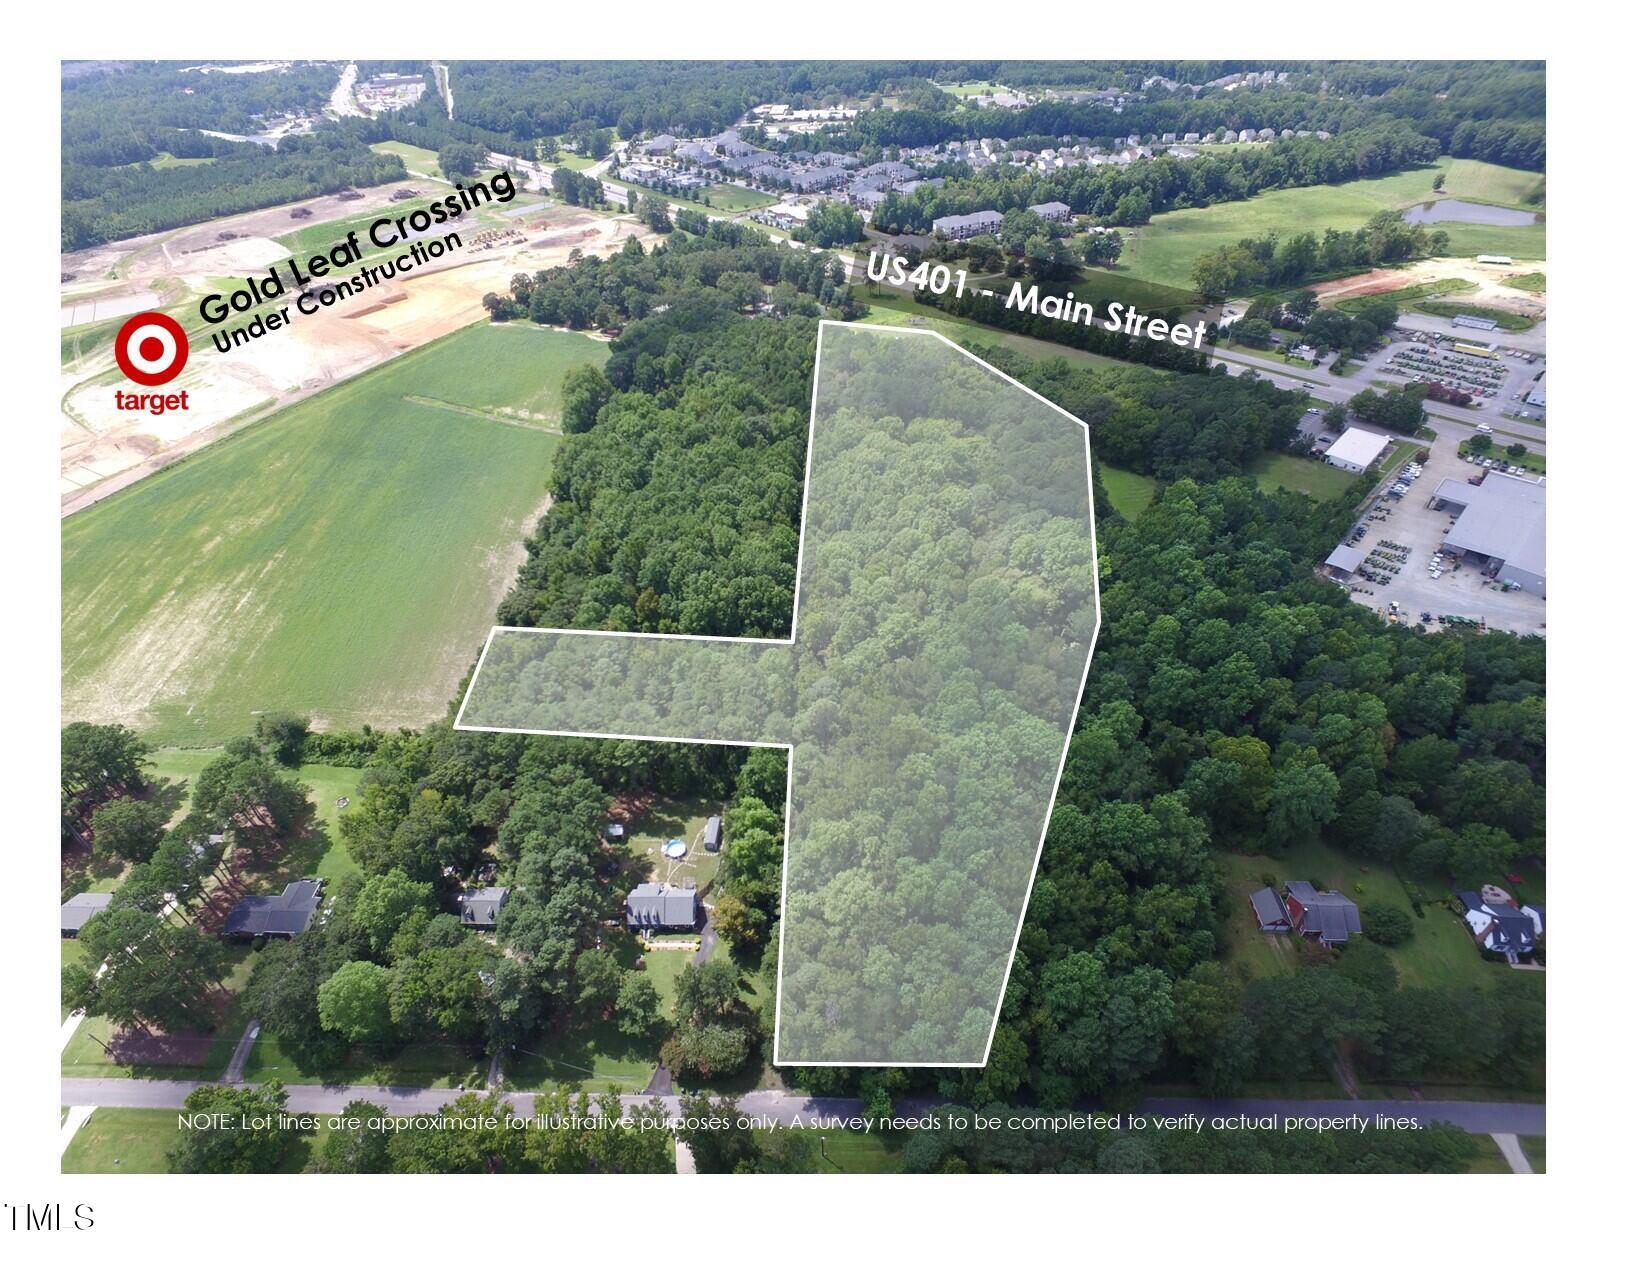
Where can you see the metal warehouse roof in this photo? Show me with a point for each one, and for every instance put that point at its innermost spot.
(1358, 446)
(1346, 558)
(1506, 518)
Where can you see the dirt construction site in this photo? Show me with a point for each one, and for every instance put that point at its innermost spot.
(104, 449)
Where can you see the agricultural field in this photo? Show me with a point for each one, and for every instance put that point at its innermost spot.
(1275, 472)
(1165, 250)
(341, 559)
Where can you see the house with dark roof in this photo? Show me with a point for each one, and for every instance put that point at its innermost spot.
(651, 906)
(1268, 910)
(78, 910)
(1499, 927)
(1325, 915)
(282, 915)
(479, 908)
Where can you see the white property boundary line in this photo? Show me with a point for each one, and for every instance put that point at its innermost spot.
(785, 862)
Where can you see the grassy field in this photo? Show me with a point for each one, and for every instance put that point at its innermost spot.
(723, 198)
(125, 1140)
(1536, 282)
(1165, 250)
(320, 851)
(1535, 1151)
(896, 309)
(419, 161)
(341, 559)
(1318, 480)
(1128, 492)
(1401, 296)
(851, 1151)
(1509, 321)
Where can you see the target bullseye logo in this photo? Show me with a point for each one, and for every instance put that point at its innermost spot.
(151, 348)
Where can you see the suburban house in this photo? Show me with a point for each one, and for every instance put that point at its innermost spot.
(1054, 210)
(1325, 915)
(1268, 910)
(78, 910)
(282, 915)
(479, 908)
(1501, 928)
(713, 833)
(651, 906)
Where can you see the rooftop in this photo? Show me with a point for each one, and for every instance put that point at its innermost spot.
(1505, 518)
(80, 909)
(288, 912)
(653, 906)
(482, 906)
(1358, 446)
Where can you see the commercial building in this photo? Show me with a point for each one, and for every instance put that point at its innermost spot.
(1502, 523)
(1356, 450)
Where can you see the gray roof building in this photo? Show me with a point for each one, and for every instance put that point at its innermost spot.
(480, 908)
(652, 906)
(713, 833)
(1504, 521)
(1346, 559)
(1327, 915)
(80, 909)
(282, 915)
(1054, 210)
(1268, 909)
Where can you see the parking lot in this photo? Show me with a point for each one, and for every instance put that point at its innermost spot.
(1413, 534)
(1498, 383)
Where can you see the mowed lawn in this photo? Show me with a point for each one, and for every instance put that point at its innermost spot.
(1128, 492)
(1275, 471)
(130, 1140)
(1165, 249)
(341, 560)
(419, 161)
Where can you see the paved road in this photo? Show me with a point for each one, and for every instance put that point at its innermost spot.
(1474, 1117)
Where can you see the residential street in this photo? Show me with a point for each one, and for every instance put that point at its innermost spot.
(1473, 1117)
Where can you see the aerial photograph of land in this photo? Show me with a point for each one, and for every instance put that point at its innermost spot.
(364, 362)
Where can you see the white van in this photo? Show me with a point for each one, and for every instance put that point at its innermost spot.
(1485, 429)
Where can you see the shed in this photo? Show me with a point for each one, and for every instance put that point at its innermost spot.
(713, 834)
(1268, 910)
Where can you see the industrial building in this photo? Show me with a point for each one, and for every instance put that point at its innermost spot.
(1502, 523)
(1356, 450)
